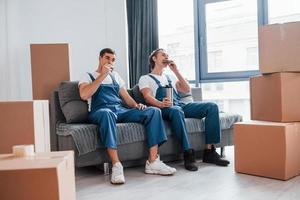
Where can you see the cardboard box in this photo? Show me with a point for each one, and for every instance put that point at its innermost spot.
(279, 47)
(275, 97)
(268, 149)
(49, 67)
(47, 176)
(24, 122)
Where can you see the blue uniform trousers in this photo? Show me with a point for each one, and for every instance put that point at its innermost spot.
(106, 119)
(199, 110)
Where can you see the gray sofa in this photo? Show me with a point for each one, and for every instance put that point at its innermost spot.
(71, 131)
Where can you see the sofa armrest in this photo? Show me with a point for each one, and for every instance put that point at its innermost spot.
(197, 94)
(56, 116)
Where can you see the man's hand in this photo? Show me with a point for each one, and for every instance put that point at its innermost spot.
(140, 106)
(106, 69)
(173, 66)
(166, 103)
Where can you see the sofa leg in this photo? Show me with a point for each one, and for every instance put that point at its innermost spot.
(106, 168)
(222, 152)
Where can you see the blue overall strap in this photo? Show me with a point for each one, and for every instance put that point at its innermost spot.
(113, 79)
(156, 81)
(91, 76)
(170, 84)
(176, 95)
(169, 80)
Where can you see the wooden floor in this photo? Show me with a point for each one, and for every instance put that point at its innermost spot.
(209, 182)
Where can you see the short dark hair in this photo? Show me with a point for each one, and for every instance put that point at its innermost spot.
(106, 50)
(153, 54)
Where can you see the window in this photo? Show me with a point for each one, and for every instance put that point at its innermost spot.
(176, 33)
(218, 39)
(219, 87)
(172, 48)
(228, 50)
(232, 97)
(252, 57)
(283, 11)
(224, 46)
(230, 28)
(214, 61)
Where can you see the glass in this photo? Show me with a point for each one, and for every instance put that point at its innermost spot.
(176, 34)
(169, 93)
(232, 38)
(283, 11)
(106, 168)
(233, 97)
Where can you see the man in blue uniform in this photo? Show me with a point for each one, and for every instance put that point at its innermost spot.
(106, 94)
(153, 87)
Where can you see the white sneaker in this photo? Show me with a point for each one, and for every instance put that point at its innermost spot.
(117, 176)
(158, 167)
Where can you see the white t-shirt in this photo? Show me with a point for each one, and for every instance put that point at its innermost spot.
(87, 79)
(147, 82)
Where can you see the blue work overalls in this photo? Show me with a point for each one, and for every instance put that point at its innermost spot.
(176, 114)
(107, 110)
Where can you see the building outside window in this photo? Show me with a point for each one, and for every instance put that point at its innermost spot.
(252, 57)
(176, 33)
(214, 60)
(231, 27)
(283, 11)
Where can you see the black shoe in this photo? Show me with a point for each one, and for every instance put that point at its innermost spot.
(189, 160)
(211, 156)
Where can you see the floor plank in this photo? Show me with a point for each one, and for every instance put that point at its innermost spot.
(209, 182)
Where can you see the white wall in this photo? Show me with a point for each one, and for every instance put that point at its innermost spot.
(88, 26)
(3, 51)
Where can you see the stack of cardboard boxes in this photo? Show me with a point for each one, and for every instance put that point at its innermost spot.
(45, 175)
(269, 145)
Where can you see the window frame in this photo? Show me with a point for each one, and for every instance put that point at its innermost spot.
(202, 74)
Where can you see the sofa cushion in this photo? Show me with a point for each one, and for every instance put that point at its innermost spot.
(86, 138)
(137, 95)
(73, 107)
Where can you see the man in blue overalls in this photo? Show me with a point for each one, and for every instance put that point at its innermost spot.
(105, 92)
(153, 89)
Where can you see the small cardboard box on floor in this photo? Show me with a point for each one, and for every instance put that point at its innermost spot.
(279, 47)
(275, 97)
(268, 149)
(45, 176)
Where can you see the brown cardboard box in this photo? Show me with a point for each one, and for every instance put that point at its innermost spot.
(275, 97)
(24, 122)
(279, 47)
(268, 149)
(49, 67)
(46, 176)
